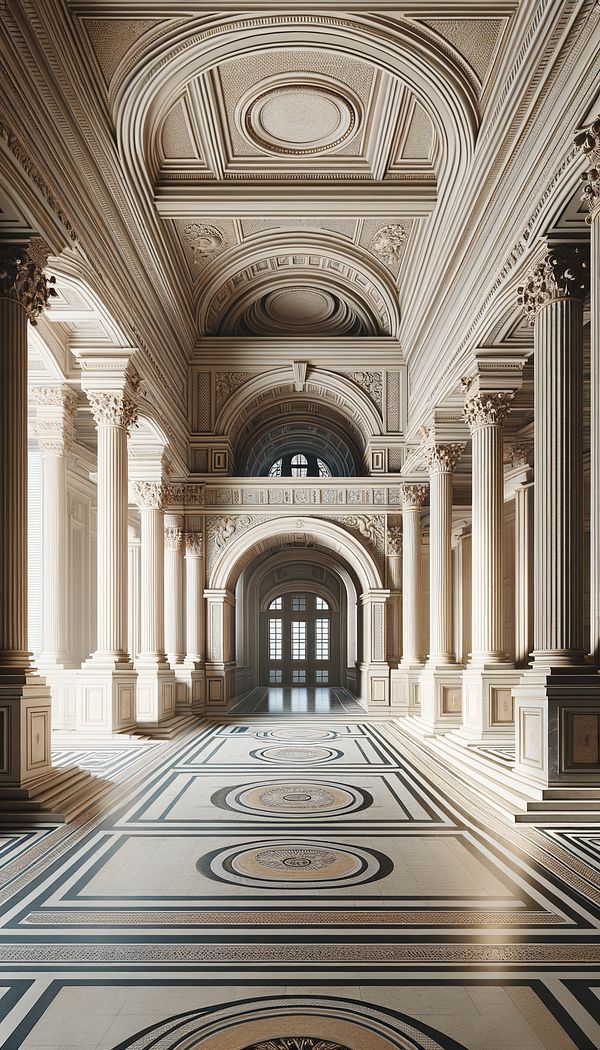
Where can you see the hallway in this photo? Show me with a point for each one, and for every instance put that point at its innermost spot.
(296, 884)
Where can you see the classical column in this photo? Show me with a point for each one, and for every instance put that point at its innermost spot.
(24, 697)
(174, 642)
(156, 688)
(484, 414)
(150, 498)
(523, 573)
(194, 599)
(588, 141)
(54, 429)
(114, 412)
(553, 300)
(558, 699)
(133, 592)
(413, 498)
(441, 460)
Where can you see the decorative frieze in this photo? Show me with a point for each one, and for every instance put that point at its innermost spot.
(22, 277)
(588, 141)
(487, 409)
(564, 273)
(110, 408)
(443, 458)
(413, 496)
(149, 495)
(188, 495)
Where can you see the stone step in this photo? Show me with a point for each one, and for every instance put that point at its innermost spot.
(170, 728)
(59, 796)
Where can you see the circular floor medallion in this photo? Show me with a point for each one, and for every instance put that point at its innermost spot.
(295, 862)
(293, 799)
(297, 756)
(298, 734)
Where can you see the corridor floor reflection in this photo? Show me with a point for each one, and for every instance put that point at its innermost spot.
(298, 700)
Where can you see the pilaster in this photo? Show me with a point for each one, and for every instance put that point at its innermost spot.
(405, 680)
(220, 655)
(192, 671)
(374, 669)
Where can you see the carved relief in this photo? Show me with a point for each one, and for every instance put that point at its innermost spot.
(488, 409)
(226, 383)
(394, 540)
(588, 141)
(173, 538)
(149, 495)
(563, 274)
(370, 527)
(373, 384)
(186, 494)
(22, 277)
(112, 409)
(389, 242)
(20, 154)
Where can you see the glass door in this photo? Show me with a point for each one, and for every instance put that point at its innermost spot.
(298, 641)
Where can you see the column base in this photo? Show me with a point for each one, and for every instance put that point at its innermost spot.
(441, 698)
(191, 687)
(25, 728)
(63, 687)
(105, 696)
(220, 686)
(557, 726)
(488, 705)
(375, 686)
(405, 689)
(156, 691)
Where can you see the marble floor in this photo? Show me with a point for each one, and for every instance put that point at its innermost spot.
(288, 878)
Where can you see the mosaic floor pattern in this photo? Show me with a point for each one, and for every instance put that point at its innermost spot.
(296, 883)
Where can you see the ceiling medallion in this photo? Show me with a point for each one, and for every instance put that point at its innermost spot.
(389, 241)
(299, 117)
(297, 1042)
(204, 239)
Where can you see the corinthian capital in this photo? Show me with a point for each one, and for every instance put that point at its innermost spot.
(22, 277)
(588, 141)
(194, 544)
(412, 497)
(149, 495)
(54, 427)
(487, 409)
(564, 273)
(442, 459)
(110, 408)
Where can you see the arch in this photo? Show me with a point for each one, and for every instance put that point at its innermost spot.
(260, 538)
(277, 386)
(324, 438)
(246, 273)
(147, 83)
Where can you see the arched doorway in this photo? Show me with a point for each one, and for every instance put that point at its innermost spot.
(299, 640)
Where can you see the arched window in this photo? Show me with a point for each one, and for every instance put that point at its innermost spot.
(299, 466)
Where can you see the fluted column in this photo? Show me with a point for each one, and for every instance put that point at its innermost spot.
(553, 301)
(588, 141)
(441, 461)
(133, 593)
(194, 599)
(174, 641)
(54, 430)
(24, 698)
(114, 412)
(484, 414)
(413, 498)
(523, 575)
(150, 498)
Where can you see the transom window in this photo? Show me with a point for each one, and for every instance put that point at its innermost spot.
(300, 465)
